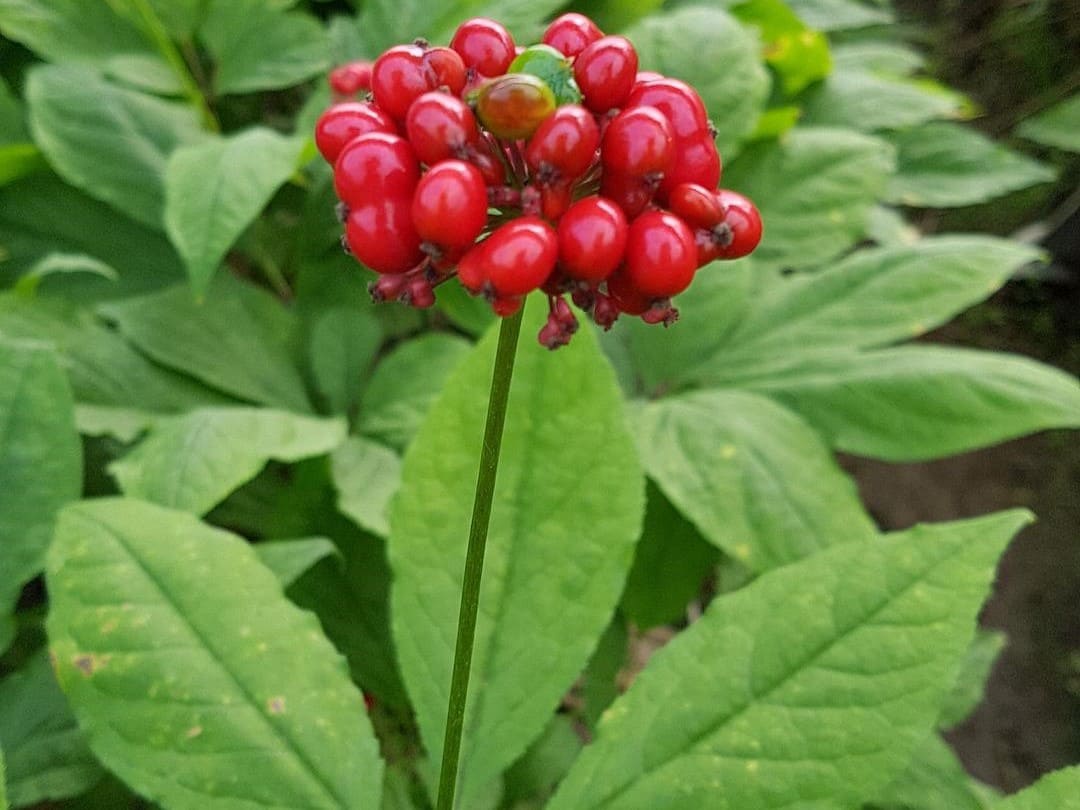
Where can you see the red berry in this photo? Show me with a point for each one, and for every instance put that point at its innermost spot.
(351, 78)
(696, 160)
(555, 200)
(592, 237)
(519, 256)
(631, 194)
(444, 69)
(571, 33)
(449, 207)
(605, 72)
(644, 76)
(343, 122)
(677, 100)
(482, 157)
(661, 256)
(637, 142)
(506, 306)
(484, 45)
(514, 105)
(381, 235)
(744, 220)
(564, 145)
(696, 205)
(398, 78)
(440, 126)
(470, 269)
(626, 297)
(375, 166)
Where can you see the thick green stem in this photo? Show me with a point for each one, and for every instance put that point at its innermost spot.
(474, 556)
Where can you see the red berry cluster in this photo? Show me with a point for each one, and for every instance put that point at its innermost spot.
(558, 167)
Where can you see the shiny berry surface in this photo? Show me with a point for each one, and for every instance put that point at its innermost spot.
(606, 71)
(345, 121)
(381, 235)
(444, 68)
(514, 105)
(592, 238)
(449, 206)
(677, 100)
(744, 220)
(571, 33)
(696, 205)
(440, 126)
(519, 256)
(484, 45)
(695, 160)
(660, 254)
(398, 78)
(564, 145)
(351, 78)
(638, 142)
(374, 166)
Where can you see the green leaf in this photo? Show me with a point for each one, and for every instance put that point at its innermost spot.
(240, 339)
(291, 559)
(877, 56)
(688, 43)
(971, 681)
(341, 350)
(186, 667)
(216, 188)
(62, 264)
(874, 297)
(865, 101)
(18, 160)
(40, 462)
(193, 462)
(815, 189)
(47, 757)
(920, 402)
(751, 475)
(404, 385)
(945, 165)
(671, 562)
(799, 54)
(469, 313)
(566, 514)
(259, 46)
(1058, 126)
(934, 780)
(108, 141)
(533, 777)
(1059, 790)
(812, 685)
(366, 475)
(12, 117)
(39, 216)
(103, 368)
(839, 15)
(548, 64)
(89, 36)
(3, 783)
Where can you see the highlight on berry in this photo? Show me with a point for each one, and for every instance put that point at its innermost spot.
(557, 167)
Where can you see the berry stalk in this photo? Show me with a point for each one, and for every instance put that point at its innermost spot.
(509, 330)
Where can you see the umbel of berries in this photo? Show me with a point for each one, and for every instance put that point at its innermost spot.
(558, 167)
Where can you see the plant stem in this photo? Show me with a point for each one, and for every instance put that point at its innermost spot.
(156, 31)
(474, 556)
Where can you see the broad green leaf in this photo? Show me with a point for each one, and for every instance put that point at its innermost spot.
(888, 228)
(658, 360)
(1059, 790)
(239, 339)
(3, 783)
(291, 559)
(342, 348)
(815, 189)
(259, 46)
(352, 603)
(971, 680)
(383, 23)
(688, 43)
(934, 780)
(12, 117)
(943, 165)
(839, 15)
(106, 140)
(874, 297)
(186, 667)
(404, 385)
(192, 462)
(865, 101)
(810, 687)
(797, 53)
(753, 477)
(467, 312)
(103, 368)
(601, 675)
(18, 160)
(614, 15)
(46, 754)
(1058, 126)
(39, 216)
(566, 514)
(920, 402)
(533, 778)
(366, 475)
(62, 264)
(214, 189)
(877, 56)
(40, 463)
(89, 36)
(671, 562)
